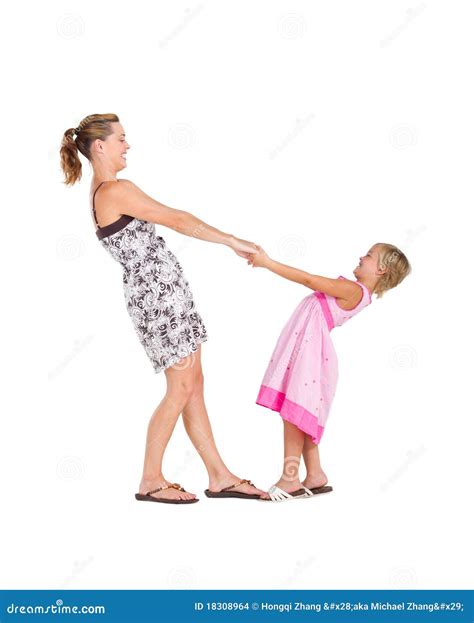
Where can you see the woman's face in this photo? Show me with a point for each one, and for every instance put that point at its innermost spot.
(114, 148)
(368, 265)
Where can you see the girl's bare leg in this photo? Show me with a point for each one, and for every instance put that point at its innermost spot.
(315, 477)
(293, 447)
(180, 386)
(197, 425)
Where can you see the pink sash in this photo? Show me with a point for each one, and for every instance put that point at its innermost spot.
(326, 311)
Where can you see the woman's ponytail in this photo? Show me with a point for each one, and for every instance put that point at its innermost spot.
(91, 128)
(70, 163)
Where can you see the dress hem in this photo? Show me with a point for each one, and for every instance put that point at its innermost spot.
(291, 412)
(197, 341)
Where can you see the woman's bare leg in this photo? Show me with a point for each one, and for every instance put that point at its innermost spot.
(180, 386)
(315, 477)
(197, 425)
(293, 447)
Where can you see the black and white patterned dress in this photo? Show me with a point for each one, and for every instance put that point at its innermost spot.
(157, 294)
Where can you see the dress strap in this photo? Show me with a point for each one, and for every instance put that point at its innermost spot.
(365, 290)
(93, 205)
(369, 294)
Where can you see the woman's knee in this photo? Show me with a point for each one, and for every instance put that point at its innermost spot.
(198, 383)
(181, 390)
(196, 388)
(185, 386)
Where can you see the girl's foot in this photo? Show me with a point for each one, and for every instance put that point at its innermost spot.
(170, 494)
(225, 480)
(290, 486)
(312, 481)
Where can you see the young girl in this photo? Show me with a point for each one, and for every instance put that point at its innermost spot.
(301, 377)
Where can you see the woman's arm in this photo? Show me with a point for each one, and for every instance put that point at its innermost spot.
(340, 288)
(129, 199)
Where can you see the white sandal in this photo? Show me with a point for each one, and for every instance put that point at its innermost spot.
(278, 495)
(310, 492)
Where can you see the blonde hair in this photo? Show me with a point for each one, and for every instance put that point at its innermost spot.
(90, 128)
(397, 265)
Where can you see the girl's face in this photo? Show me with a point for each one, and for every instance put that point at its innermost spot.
(368, 265)
(114, 148)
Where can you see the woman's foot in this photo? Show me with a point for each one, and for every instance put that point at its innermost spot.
(226, 480)
(312, 481)
(169, 494)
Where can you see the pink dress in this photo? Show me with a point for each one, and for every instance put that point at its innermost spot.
(301, 378)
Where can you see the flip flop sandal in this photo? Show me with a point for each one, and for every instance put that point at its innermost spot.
(310, 492)
(226, 493)
(279, 495)
(147, 497)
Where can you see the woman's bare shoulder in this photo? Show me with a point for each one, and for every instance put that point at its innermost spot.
(127, 198)
(104, 198)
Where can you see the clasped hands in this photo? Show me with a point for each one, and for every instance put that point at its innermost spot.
(253, 253)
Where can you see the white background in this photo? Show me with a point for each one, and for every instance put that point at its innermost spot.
(315, 129)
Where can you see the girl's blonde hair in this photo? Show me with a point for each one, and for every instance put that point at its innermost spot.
(91, 128)
(397, 265)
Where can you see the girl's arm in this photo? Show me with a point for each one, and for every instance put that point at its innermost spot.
(340, 288)
(129, 199)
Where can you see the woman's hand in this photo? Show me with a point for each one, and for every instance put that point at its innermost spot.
(258, 259)
(243, 248)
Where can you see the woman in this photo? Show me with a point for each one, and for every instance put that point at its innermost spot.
(159, 302)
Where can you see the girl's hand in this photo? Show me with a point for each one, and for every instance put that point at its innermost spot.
(243, 248)
(258, 259)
